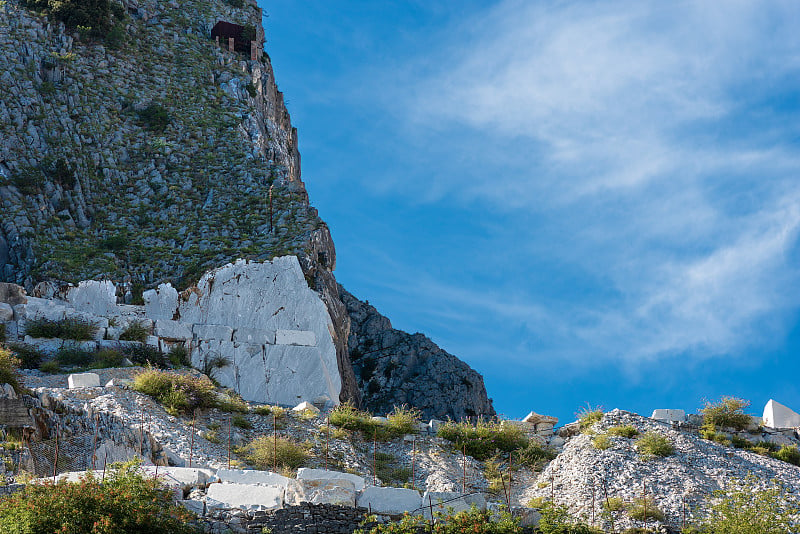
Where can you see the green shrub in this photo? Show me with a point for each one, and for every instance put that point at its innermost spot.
(263, 410)
(50, 367)
(70, 355)
(154, 117)
(613, 504)
(212, 363)
(235, 3)
(654, 444)
(251, 90)
(788, 453)
(29, 356)
(241, 422)
(602, 442)
(348, 417)
(231, 402)
(740, 442)
(741, 508)
(403, 420)
(713, 435)
(9, 369)
(94, 16)
(115, 38)
(627, 431)
(144, 355)
(474, 521)
(106, 358)
(2, 332)
(72, 328)
(135, 331)
(484, 439)
(728, 412)
(178, 393)
(261, 453)
(534, 455)
(557, 520)
(588, 416)
(644, 509)
(126, 501)
(178, 356)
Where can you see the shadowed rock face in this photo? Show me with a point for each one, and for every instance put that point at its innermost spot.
(394, 368)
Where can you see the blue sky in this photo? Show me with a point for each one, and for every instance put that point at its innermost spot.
(587, 202)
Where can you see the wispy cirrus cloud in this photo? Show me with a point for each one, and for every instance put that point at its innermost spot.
(656, 144)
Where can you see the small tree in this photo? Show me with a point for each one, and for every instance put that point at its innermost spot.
(742, 509)
(728, 412)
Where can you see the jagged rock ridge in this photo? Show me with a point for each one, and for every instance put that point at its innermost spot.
(396, 368)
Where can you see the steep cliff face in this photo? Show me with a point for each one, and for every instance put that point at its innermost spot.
(153, 160)
(395, 368)
(152, 157)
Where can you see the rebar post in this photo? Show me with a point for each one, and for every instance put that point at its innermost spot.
(644, 503)
(374, 461)
(608, 506)
(105, 463)
(55, 462)
(141, 437)
(191, 444)
(274, 443)
(94, 441)
(230, 418)
(510, 493)
(683, 503)
(327, 439)
(592, 502)
(464, 476)
(413, 463)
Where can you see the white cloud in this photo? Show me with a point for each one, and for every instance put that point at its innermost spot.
(639, 130)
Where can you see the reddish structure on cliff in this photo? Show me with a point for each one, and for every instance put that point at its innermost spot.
(242, 35)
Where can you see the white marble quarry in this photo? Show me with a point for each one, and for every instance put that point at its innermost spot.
(83, 380)
(6, 312)
(180, 477)
(244, 497)
(301, 338)
(93, 296)
(321, 491)
(390, 500)
(266, 297)
(253, 336)
(665, 414)
(776, 415)
(161, 303)
(440, 501)
(306, 473)
(213, 331)
(168, 329)
(251, 476)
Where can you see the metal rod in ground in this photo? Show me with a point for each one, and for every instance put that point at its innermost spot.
(464, 477)
(55, 462)
(644, 503)
(230, 420)
(374, 462)
(141, 437)
(105, 463)
(274, 443)
(94, 441)
(327, 438)
(191, 445)
(413, 463)
(430, 504)
(683, 503)
(608, 506)
(592, 502)
(505, 490)
(552, 490)
(510, 482)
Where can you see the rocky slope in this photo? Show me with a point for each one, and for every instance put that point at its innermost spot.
(680, 484)
(395, 368)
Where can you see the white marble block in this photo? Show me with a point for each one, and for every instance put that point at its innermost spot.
(776, 415)
(83, 380)
(390, 500)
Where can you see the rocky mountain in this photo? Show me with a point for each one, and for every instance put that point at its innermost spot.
(394, 368)
(136, 147)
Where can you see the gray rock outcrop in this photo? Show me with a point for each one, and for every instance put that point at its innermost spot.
(395, 368)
